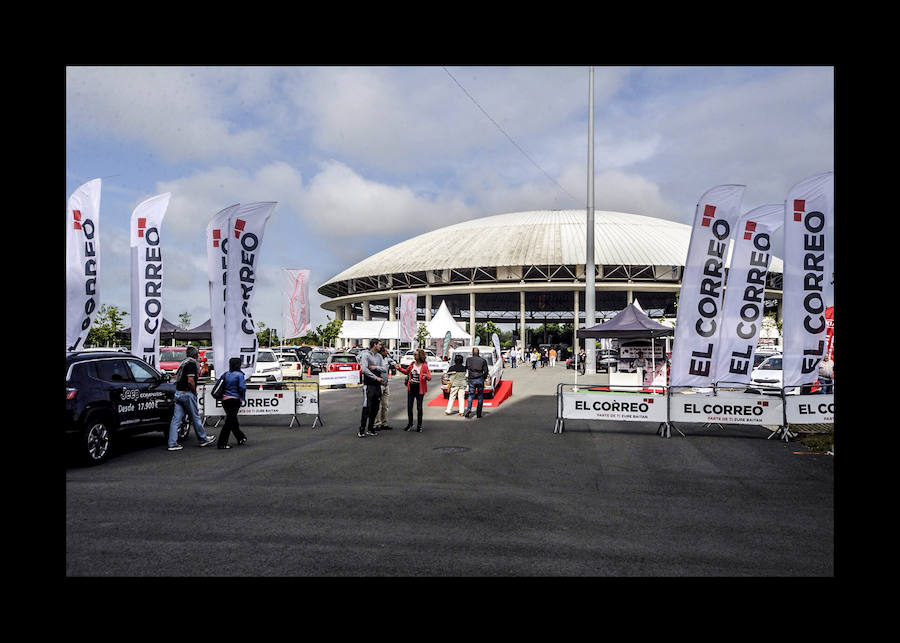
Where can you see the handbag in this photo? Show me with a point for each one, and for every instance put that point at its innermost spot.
(218, 389)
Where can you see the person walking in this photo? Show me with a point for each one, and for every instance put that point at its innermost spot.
(535, 356)
(233, 393)
(477, 371)
(381, 422)
(456, 383)
(552, 357)
(416, 387)
(372, 366)
(512, 356)
(186, 401)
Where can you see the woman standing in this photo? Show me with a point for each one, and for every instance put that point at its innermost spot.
(456, 376)
(416, 387)
(234, 392)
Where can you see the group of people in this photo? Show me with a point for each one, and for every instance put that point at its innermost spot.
(545, 357)
(234, 392)
(375, 364)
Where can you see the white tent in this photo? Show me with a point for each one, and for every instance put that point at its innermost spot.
(442, 322)
(382, 329)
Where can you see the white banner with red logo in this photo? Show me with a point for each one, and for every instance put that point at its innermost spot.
(245, 235)
(217, 269)
(264, 402)
(295, 290)
(408, 322)
(697, 333)
(727, 408)
(743, 310)
(808, 277)
(619, 407)
(147, 277)
(82, 262)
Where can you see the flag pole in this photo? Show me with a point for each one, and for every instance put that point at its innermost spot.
(590, 366)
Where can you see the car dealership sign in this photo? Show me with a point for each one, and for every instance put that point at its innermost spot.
(621, 407)
(728, 408)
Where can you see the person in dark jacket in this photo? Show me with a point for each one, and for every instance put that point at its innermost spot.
(234, 392)
(477, 370)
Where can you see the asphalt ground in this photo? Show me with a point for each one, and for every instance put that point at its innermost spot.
(497, 496)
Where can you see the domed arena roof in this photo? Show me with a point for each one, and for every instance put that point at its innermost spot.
(535, 238)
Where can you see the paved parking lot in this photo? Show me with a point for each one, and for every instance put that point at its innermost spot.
(498, 496)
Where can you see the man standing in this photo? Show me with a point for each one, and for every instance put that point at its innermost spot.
(373, 371)
(381, 422)
(512, 356)
(186, 401)
(477, 369)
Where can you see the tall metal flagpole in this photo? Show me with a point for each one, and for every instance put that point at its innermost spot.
(590, 367)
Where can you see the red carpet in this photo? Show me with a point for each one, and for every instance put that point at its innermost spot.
(504, 391)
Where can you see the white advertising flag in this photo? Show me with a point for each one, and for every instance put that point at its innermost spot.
(700, 303)
(147, 277)
(245, 235)
(82, 262)
(808, 277)
(217, 269)
(296, 303)
(408, 324)
(743, 311)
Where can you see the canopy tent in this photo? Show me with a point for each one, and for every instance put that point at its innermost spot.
(442, 322)
(167, 331)
(631, 322)
(380, 329)
(203, 331)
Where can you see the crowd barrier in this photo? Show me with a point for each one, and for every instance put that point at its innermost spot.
(711, 406)
(293, 398)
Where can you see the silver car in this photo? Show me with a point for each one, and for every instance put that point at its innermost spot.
(495, 368)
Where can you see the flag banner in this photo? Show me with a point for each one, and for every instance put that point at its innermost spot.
(82, 262)
(829, 332)
(742, 311)
(700, 303)
(216, 270)
(408, 325)
(495, 340)
(246, 227)
(808, 277)
(447, 338)
(147, 277)
(295, 322)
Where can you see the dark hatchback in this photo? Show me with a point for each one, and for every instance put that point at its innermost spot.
(108, 395)
(317, 360)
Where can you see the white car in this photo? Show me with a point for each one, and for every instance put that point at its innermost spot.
(769, 374)
(410, 355)
(495, 368)
(268, 368)
(291, 366)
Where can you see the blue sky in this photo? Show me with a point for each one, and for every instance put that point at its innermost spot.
(360, 158)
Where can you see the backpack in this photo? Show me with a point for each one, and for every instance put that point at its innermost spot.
(218, 389)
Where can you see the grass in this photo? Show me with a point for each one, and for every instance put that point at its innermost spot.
(818, 442)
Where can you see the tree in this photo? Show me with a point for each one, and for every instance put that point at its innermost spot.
(421, 335)
(107, 322)
(266, 336)
(184, 320)
(330, 333)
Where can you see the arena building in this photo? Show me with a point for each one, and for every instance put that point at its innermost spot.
(526, 268)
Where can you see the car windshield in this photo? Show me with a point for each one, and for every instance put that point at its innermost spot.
(265, 356)
(318, 355)
(343, 359)
(488, 357)
(287, 357)
(771, 364)
(171, 356)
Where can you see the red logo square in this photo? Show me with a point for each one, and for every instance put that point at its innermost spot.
(142, 222)
(705, 223)
(798, 216)
(709, 211)
(800, 204)
(215, 243)
(751, 226)
(217, 234)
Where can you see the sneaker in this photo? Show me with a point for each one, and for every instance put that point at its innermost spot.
(369, 433)
(360, 435)
(448, 412)
(210, 439)
(177, 447)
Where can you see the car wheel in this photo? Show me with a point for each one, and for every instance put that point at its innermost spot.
(96, 440)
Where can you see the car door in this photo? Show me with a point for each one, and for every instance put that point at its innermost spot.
(155, 403)
(121, 390)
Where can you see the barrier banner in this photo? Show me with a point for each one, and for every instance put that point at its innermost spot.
(742, 311)
(147, 277)
(338, 377)
(809, 409)
(621, 407)
(808, 277)
(264, 402)
(306, 401)
(216, 270)
(699, 306)
(727, 409)
(295, 322)
(408, 324)
(245, 234)
(82, 262)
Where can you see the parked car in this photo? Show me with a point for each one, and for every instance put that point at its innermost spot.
(291, 366)
(171, 356)
(316, 360)
(341, 362)
(111, 394)
(769, 376)
(410, 355)
(268, 368)
(495, 368)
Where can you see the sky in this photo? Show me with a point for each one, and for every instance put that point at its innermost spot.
(361, 158)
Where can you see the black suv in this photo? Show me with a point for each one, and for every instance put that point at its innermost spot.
(110, 394)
